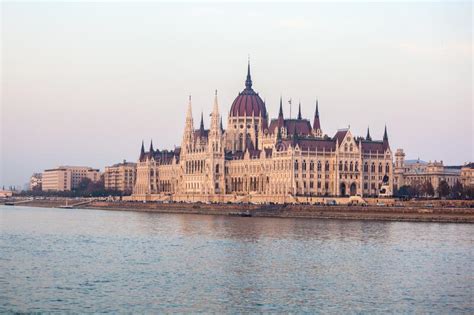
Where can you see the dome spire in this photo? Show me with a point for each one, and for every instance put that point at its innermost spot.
(248, 82)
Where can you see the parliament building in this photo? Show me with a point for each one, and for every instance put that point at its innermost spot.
(262, 160)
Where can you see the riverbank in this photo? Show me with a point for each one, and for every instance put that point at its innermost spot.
(410, 211)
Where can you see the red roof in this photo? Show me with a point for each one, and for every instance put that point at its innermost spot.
(301, 127)
(248, 103)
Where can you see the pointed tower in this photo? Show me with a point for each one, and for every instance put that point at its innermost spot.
(187, 142)
(201, 125)
(142, 151)
(316, 123)
(151, 147)
(385, 139)
(248, 81)
(368, 137)
(222, 126)
(299, 111)
(215, 131)
(281, 119)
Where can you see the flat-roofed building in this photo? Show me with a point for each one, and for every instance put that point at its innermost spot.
(65, 178)
(120, 177)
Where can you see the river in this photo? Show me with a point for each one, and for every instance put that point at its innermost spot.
(80, 261)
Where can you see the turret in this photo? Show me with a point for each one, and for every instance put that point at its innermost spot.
(142, 151)
(368, 137)
(281, 120)
(316, 123)
(189, 128)
(151, 147)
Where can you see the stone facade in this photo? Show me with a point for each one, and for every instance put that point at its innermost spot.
(120, 177)
(410, 172)
(467, 175)
(261, 160)
(65, 178)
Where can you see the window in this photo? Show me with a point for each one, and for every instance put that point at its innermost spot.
(304, 165)
(372, 167)
(345, 147)
(380, 167)
(387, 168)
(345, 166)
(351, 168)
(296, 165)
(326, 167)
(311, 166)
(350, 148)
(319, 166)
(340, 165)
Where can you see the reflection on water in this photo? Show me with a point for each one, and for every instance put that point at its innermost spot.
(103, 261)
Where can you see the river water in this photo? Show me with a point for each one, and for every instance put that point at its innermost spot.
(61, 260)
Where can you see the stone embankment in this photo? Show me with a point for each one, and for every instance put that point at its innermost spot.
(420, 211)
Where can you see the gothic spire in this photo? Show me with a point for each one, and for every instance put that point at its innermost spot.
(316, 122)
(142, 151)
(151, 146)
(248, 82)
(368, 137)
(385, 135)
(222, 127)
(281, 120)
(201, 126)
(299, 111)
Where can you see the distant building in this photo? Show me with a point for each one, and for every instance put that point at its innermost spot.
(120, 177)
(467, 175)
(409, 172)
(5, 193)
(65, 178)
(36, 181)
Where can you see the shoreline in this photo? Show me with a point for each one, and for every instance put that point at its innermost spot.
(412, 213)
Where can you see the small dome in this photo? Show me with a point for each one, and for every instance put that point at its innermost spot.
(248, 103)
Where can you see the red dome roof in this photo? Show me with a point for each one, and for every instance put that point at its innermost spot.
(248, 103)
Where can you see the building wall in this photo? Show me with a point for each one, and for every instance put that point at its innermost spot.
(65, 178)
(120, 177)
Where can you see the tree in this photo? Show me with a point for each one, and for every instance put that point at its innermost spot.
(443, 189)
(457, 190)
(427, 189)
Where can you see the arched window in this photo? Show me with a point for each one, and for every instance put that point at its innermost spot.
(372, 167)
(340, 165)
(350, 148)
(345, 147)
(357, 166)
(326, 167)
(319, 166)
(311, 165)
(217, 169)
(296, 165)
(345, 166)
(304, 165)
(380, 167)
(366, 167)
(351, 168)
(387, 168)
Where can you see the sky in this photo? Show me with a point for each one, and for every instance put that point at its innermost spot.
(84, 83)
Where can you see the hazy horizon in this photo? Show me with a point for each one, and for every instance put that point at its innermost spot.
(84, 83)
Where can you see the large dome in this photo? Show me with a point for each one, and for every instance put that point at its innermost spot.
(248, 103)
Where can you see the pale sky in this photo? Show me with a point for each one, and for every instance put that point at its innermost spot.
(84, 83)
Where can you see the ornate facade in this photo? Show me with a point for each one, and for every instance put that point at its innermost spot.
(261, 160)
